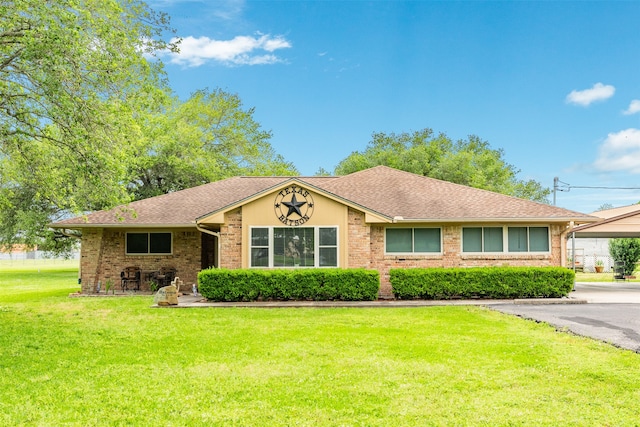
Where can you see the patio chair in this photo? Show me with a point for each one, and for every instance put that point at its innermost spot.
(130, 276)
(165, 276)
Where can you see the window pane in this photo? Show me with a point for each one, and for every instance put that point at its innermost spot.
(426, 240)
(518, 239)
(539, 239)
(293, 247)
(259, 257)
(307, 246)
(260, 237)
(328, 236)
(493, 239)
(328, 257)
(137, 243)
(399, 240)
(160, 243)
(279, 243)
(472, 239)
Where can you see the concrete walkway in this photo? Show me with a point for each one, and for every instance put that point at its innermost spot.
(607, 293)
(618, 292)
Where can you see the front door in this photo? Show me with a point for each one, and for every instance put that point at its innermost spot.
(209, 251)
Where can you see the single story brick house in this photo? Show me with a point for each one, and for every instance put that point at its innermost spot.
(380, 218)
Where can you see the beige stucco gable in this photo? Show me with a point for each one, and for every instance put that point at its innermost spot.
(268, 197)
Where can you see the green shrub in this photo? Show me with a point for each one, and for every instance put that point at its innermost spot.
(481, 282)
(298, 284)
(627, 251)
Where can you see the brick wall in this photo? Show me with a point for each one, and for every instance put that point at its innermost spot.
(103, 257)
(231, 240)
(452, 257)
(103, 253)
(359, 244)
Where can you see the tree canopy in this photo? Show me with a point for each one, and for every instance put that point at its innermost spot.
(72, 75)
(203, 139)
(469, 162)
(87, 120)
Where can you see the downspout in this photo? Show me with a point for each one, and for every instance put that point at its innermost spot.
(215, 234)
(563, 245)
(573, 249)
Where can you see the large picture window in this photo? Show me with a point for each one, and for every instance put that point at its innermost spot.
(148, 243)
(294, 247)
(528, 239)
(413, 240)
(482, 239)
(495, 239)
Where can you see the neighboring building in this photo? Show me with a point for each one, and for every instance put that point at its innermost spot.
(591, 242)
(379, 218)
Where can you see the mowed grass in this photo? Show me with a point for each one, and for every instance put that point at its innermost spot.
(117, 361)
(603, 277)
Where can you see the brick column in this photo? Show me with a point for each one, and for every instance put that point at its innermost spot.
(231, 240)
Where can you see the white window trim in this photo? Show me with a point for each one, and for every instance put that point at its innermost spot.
(316, 245)
(148, 233)
(413, 242)
(505, 239)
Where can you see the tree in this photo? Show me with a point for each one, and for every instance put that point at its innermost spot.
(625, 250)
(469, 162)
(72, 76)
(206, 138)
(73, 81)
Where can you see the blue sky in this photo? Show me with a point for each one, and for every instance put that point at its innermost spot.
(555, 85)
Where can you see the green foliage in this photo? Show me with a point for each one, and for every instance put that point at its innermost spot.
(469, 162)
(484, 282)
(72, 77)
(298, 284)
(203, 139)
(73, 81)
(626, 250)
(88, 122)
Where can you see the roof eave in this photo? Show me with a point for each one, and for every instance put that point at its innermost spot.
(398, 219)
(121, 225)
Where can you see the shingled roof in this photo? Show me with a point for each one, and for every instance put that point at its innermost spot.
(385, 191)
(394, 193)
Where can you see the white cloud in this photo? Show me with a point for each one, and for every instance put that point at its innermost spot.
(634, 107)
(598, 92)
(620, 152)
(241, 50)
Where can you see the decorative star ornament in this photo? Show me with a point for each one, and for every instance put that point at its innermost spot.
(293, 205)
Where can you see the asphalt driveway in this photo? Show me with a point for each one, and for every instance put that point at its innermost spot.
(611, 314)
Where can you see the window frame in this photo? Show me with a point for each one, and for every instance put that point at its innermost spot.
(506, 240)
(413, 245)
(316, 246)
(149, 252)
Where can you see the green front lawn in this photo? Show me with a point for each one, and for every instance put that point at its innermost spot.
(116, 361)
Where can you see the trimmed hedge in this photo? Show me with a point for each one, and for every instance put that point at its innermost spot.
(301, 284)
(481, 282)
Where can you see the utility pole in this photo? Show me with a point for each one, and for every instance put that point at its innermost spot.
(556, 188)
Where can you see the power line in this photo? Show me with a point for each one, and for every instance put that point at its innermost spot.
(563, 186)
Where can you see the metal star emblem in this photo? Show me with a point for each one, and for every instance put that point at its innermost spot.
(294, 206)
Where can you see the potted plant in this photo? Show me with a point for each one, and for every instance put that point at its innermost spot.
(599, 266)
